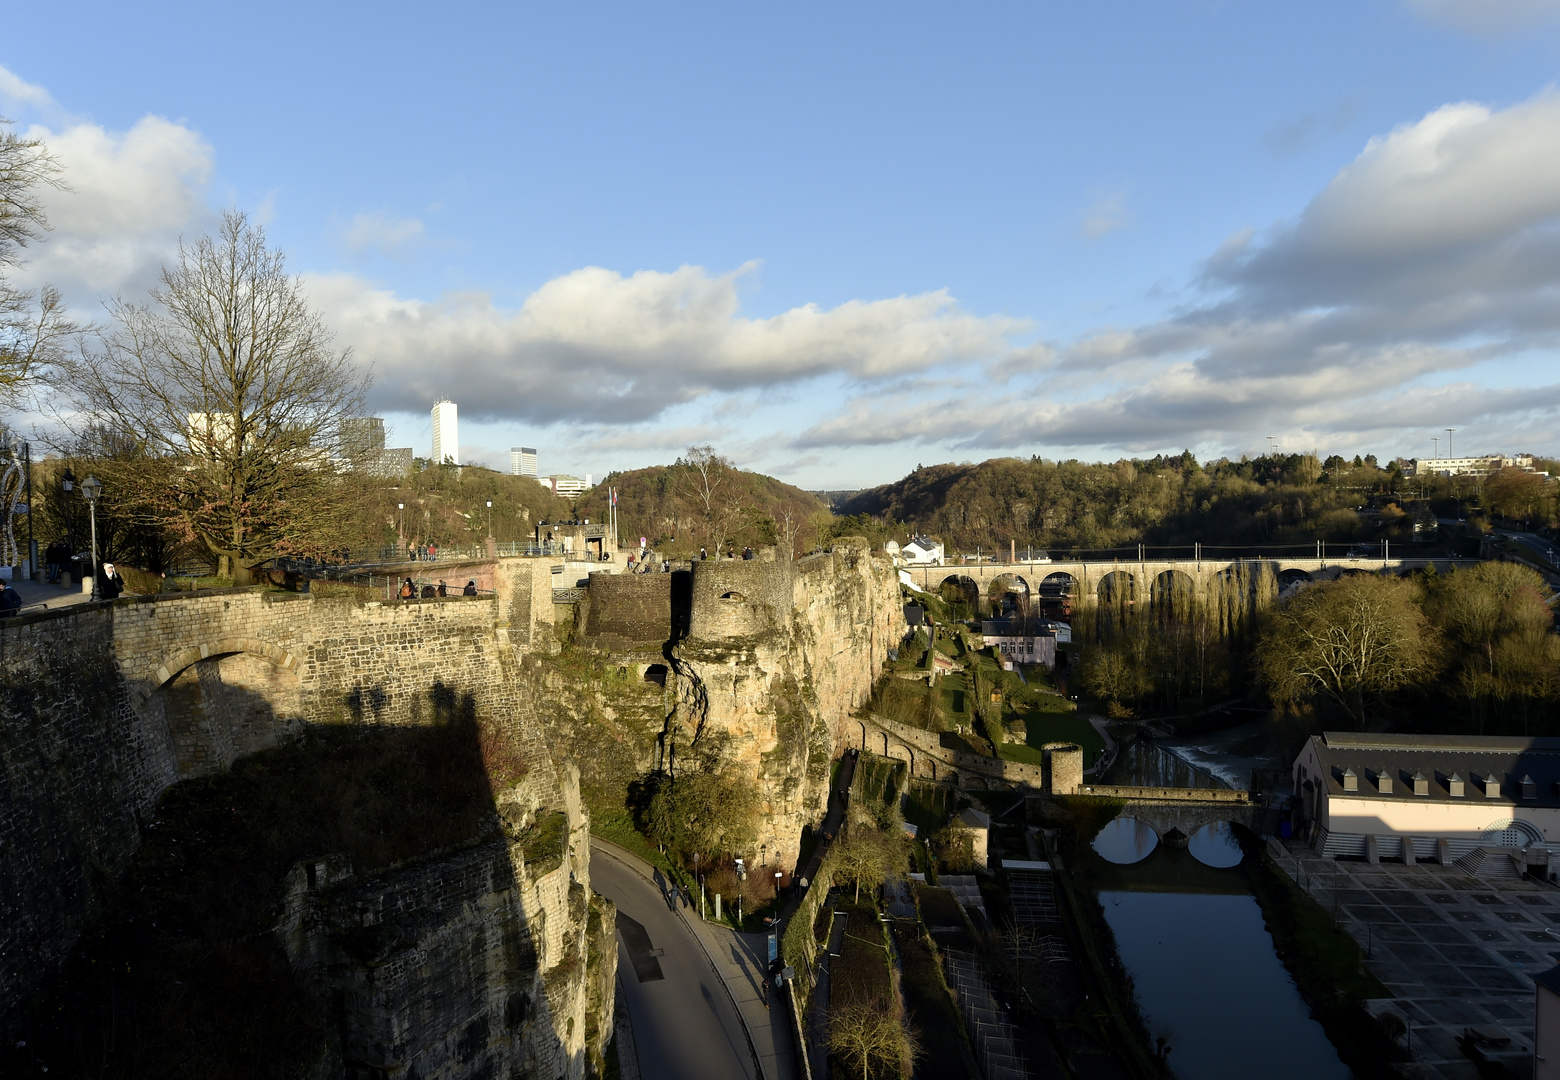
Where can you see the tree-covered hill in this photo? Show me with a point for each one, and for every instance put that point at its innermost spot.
(1172, 501)
(702, 500)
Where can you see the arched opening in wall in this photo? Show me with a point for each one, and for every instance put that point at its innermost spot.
(224, 706)
(734, 596)
(1055, 595)
(656, 673)
(1117, 587)
(962, 595)
(1172, 594)
(1292, 581)
(1009, 595)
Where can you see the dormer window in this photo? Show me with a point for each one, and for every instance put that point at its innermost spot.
(1384, 782)
(1454, 786)
(1491, 787)
(1421, 784)
(1529, 789)
(1351, 780)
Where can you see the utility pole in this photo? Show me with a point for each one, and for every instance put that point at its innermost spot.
(1449, 441)
(1435, 442)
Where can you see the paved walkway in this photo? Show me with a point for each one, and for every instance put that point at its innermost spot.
(37, 597)
(1456, 951)
(741, 961)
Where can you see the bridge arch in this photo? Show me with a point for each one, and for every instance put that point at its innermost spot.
(223, 699)
(1006, 586)
(1117, 587)
(1292, 575)
(960, 589)
(1172, 592)
(1059, 583)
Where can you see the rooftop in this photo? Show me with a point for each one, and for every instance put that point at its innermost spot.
(1508, 770)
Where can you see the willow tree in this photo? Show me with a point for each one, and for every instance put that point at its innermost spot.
(229, 390)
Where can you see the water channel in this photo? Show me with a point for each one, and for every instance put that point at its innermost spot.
(1193, 939)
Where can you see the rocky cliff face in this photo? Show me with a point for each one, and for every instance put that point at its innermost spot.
(775, 655)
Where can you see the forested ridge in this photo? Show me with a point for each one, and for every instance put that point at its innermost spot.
(1175, 500)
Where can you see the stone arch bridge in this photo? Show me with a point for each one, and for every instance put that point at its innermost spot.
(1184, 809)
(1155, 579)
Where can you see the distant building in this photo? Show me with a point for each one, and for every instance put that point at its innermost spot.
(1432, 798)
(522, 461)
(362, 435)
(1022, 641)
(392, 461)
(922, 551)
(446, 434)
(1467, 466)
(209, 433)
(567, 486)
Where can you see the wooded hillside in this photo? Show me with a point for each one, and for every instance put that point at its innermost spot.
(1283, 499)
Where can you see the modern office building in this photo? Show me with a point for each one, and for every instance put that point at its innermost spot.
(362, 435)
(446, 434)
(522, 461)
(1482, 465)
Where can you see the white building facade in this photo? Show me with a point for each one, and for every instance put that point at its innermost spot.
(446, 434)
(522, 461)
(1430, 797)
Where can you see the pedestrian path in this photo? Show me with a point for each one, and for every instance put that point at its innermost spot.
(741, 961)
(37, 596)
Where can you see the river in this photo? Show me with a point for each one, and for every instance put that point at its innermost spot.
(1207, 978)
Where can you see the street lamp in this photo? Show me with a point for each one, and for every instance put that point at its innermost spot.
(490, 518)
(91, 488)
(400, 523)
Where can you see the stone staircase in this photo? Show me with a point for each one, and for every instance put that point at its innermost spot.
(1491, 863)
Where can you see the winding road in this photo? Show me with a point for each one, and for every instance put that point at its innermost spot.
(684, 1023)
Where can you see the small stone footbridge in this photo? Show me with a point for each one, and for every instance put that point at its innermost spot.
(1184, 809)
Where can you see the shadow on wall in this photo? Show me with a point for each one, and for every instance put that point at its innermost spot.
(187, 977)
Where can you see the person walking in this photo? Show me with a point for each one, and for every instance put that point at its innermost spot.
(110, 584)
(443, 588)
(56, 555)
(408, 592)
(703, 554)
(10, 600)
(470, 589)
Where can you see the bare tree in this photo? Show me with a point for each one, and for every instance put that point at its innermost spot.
(1346, 641)
(227, 385)
(33, 325)
(705, 472)
(871, 1032)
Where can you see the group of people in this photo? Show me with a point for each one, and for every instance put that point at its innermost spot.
(731, 553)
(429, 552)
(409, 590)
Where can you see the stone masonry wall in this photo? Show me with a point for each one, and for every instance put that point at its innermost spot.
(103, 707)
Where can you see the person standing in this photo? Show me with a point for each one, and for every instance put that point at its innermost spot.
(110, 584)
(408, 592)
(470, 589)
(10, 600)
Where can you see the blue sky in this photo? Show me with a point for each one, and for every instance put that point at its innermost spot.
(839, 240)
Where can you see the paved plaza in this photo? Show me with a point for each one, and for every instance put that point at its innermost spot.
(1456, 951)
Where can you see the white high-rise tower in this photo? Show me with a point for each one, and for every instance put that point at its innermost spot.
(446, 434)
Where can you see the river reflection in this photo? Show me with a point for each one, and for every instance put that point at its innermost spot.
(1144, 763)
(1209, 982)
(1125, 840)
(1215, 845)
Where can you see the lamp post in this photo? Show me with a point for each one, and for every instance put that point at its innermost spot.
(490, 518)
(400, 524)
(91, 488)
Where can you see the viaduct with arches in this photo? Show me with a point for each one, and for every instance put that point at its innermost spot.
(1154, 580)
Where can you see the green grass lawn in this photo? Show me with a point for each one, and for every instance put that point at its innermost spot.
(1062, 727)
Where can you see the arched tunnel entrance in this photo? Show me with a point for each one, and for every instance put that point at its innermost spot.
(224, 705)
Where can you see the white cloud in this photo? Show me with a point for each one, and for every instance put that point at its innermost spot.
(1108, 213)
(14, 88)
(381, 234)
(598, 345)
(131, 194)
(1487, 18)
(1436, 251)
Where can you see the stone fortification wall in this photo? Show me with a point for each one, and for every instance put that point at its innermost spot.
(103, 707)
(776, 652)
(626, 612)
